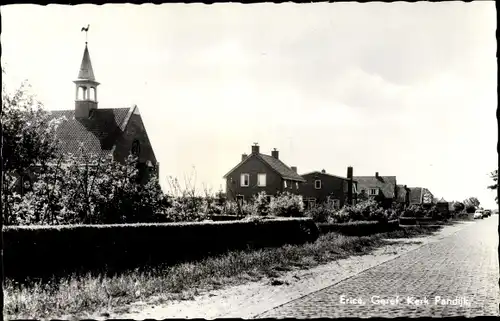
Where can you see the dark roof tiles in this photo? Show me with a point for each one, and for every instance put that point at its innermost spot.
(97, 134)
(386, 184)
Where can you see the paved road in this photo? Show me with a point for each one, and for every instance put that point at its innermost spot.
(462, 269)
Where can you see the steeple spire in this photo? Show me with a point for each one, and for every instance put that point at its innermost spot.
(86, 71)
(86, 85)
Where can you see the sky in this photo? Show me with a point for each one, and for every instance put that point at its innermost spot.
(403, 89)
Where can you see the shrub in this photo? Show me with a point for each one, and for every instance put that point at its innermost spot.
(286, 205)
(322, 213)
(261, 204)
(470, 209)
(458, 207)
(414, 211)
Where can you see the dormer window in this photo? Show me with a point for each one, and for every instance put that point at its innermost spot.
(317, 184)
(373, 191)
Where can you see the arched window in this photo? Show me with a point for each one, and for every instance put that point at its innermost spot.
(136, 148)
(81, 93)
(92, 93)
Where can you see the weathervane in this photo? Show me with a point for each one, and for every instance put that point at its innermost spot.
(86, 32)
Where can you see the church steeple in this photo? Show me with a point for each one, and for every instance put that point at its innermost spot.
(86, 86)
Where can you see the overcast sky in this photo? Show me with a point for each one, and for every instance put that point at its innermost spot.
(405, 89)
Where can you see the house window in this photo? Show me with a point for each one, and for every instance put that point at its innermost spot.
(296, 185)
(245, 180)
(311, 202)
(317, 184)
(285, 184)
(240, 199)
(336, 203)
(373, 191)
(261, 180)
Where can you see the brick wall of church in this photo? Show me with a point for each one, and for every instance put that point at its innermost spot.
(135, 130)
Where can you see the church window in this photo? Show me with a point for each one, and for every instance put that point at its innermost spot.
(136, 148)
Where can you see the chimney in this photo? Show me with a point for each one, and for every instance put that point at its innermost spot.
(376, 174)
(349, 186)
(255, 148)
(323, 171)
(275, 153)
(349, 172)
(243, 157)
(294, 168)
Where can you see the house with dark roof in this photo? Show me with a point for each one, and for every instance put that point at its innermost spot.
(321, 187)
(420, 195)
(102, 131)
(381, 188)
(257, 173)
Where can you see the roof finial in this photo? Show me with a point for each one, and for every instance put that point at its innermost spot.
(86, 32)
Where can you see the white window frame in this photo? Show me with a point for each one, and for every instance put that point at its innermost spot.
(285, 184)
(370, 191)
(259, 181)
(242, 180)
(315, 185)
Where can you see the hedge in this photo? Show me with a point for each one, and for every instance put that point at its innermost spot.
(359, 228)
(419, 221)
(43, 251)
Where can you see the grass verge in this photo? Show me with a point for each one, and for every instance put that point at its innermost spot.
(90, 295)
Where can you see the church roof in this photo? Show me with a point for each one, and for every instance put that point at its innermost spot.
(86, 71)
(97, 134)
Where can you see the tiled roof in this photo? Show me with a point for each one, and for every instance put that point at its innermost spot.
(321, 173)
(98, 133)
(386, 184)
(277, 165)
(281, 168)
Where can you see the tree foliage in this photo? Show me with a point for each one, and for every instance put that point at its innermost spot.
(85, 189)
(494, 177)
(28, 138)
(471, 202)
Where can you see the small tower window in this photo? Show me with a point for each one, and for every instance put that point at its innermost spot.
(92, 93)
(81, 93)
(136, 148)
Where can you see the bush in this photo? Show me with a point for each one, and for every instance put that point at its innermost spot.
(261, 204)
(458, 207)
(470, 209)
(414, 211)
(286, 205)
(38, 251)
(322, 213)
(368, 210)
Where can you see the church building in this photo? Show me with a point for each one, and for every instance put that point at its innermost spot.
(102, 131)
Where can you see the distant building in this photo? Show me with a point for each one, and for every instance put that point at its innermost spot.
(420, 196)
(322, 187)
(257, 173)
(381, 188)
